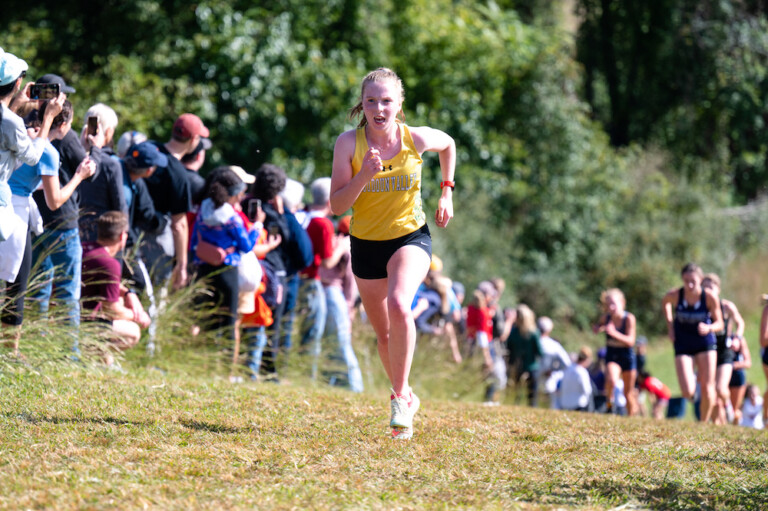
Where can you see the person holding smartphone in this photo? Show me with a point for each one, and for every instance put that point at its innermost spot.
(104, 191)
(17, 146)
(60, 254)
(292, 254)
(219, 224)
(377, 173)
(17, 250)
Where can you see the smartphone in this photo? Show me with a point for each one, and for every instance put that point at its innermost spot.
(273, 230)
(254, 205)
(44, 91)
(93, 125)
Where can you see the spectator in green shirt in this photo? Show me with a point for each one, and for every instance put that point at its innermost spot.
(524, 349)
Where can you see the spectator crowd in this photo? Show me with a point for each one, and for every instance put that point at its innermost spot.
(109, 225)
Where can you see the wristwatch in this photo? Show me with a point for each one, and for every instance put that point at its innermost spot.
(449, 184)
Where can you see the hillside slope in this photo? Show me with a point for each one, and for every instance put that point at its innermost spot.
(77, 438)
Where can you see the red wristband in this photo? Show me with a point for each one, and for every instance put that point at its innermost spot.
(449, 184)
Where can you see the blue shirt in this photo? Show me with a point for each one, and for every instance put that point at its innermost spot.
(15, 147)
(26, 178)
(224, 228)
(127, 186)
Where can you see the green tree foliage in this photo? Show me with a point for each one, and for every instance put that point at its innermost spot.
(686, 74)
(543, 198)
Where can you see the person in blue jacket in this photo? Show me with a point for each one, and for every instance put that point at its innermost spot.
(219, 224)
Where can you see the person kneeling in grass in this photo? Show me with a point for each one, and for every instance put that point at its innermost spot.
(105, 299)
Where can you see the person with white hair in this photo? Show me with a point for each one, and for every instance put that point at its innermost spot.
(293, 202)
(340, 294)
(293, 197)
(104, 191)
(128, 140)
(327, 254)
(554, 361)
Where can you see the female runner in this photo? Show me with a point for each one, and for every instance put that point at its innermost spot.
(733, 328)
(764, 351)
(377, 172)
(738, 383)
(619, 328)
(693, 316)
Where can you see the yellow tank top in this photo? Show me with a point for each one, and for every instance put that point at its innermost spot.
(390, 204)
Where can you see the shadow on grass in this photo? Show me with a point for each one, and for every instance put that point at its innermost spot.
(667, 495)
(214, 428)
(190, 424)
(757, 462)
(37, 419)
(676, 495)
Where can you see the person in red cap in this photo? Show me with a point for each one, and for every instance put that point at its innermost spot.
(170, 191)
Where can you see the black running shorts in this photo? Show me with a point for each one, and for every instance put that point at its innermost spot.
(370, 258)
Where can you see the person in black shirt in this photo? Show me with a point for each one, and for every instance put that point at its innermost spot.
(193, 162)
(169, 188)
(59, 256)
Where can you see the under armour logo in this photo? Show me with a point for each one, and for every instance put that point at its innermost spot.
(384, 168)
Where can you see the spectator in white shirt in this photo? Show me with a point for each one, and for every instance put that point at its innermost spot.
(752, 409)
(554, 361)
(576, 387)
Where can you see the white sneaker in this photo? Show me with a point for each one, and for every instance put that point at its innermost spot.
(403, 410)
(402, 433)
(729, 412)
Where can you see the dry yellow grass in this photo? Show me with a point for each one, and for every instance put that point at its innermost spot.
(82, 439)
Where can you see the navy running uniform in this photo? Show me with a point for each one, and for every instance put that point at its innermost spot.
(687, 318)
(625, 355)
(739, 376)
(725, 354)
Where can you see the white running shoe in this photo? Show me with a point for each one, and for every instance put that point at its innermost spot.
(403, 410)
(402, 433)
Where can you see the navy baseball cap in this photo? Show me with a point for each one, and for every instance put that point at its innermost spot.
(52, 78)
(145, 155)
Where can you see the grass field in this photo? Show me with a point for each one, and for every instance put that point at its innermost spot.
(173, 433)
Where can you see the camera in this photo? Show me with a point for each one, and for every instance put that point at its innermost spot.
(254, 205)
(44, 91)
(93, 125)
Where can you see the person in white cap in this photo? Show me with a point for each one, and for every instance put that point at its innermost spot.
(16, 146)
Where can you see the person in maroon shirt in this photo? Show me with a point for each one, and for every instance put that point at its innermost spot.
(105, 298)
